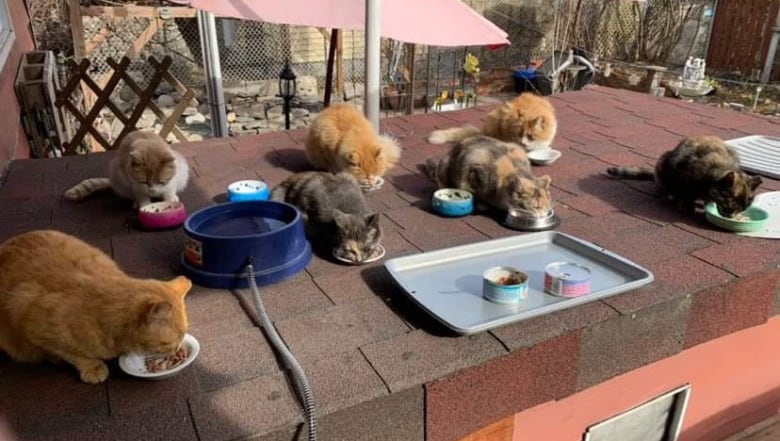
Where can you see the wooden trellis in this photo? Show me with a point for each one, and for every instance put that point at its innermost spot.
(145, 95)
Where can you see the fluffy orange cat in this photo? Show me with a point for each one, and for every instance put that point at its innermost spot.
(341, 139)
(62, 299)
(528, 120)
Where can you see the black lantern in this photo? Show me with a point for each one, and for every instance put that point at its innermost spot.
(287, 91)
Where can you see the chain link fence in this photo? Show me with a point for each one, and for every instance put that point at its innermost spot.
(252, 54)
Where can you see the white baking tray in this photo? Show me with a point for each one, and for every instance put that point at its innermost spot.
(447, 283)
(758, 154)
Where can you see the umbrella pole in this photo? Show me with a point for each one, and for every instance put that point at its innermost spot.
(210, 50)
(373, 61)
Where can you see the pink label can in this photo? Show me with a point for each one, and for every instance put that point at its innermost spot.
(567, 279)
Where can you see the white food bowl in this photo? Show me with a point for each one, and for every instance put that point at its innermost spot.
(543, 156)
(135, 364)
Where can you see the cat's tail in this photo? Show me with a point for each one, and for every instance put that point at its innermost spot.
(86, 188)
(391, 150)
(454, 134)
(643, 173)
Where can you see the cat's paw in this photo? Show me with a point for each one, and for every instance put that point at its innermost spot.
(93, 372)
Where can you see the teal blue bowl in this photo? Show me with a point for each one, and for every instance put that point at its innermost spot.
(452, 202)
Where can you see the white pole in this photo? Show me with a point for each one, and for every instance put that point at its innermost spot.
(373, 60)
(210, 51)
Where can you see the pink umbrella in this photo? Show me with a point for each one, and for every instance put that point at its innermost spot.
(431, 22)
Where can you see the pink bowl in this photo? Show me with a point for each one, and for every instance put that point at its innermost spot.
(159, 215)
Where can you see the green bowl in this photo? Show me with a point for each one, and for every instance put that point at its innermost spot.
(758, 218)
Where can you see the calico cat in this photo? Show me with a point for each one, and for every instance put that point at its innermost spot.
(497, 173)
(145, 167)
(335, 212)
(528, 120)
(699, 168)
(341, 139)
(62, 299)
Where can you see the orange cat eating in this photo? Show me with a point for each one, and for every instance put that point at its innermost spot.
(341, 139)
(528, 120)
(63, 299)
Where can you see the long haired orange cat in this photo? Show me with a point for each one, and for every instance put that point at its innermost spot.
(528, 120)
(62, 299)
(341, 139)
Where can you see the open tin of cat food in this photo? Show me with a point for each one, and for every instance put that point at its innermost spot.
(505, 285)
(567, 279)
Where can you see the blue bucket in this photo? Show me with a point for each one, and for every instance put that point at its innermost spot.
(525, 79)
(220, 240)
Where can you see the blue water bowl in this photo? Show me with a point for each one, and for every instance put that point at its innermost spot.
(452, 202)
(248, 190)
(220, 240)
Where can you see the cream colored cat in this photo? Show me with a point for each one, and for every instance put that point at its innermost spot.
(341, 139)
(62, 299)
(145, 167)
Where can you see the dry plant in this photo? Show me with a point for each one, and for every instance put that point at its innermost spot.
(49, 20)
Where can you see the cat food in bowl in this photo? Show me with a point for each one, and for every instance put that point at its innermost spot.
(248, 190)
(752, 219)
(452, 202)
(543, 156)
(378, 182)
(160, 366)
(160, 215)
(504, 284)
(522, 221)
(376, 253)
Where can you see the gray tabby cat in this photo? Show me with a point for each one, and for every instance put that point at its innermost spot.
(145, 167)
(335, 212)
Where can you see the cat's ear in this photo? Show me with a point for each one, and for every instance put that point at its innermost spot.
(754, 182)
(136, 157)
(728, 180)
(158, 311)
(340, 218)
(539, 123)
(353, 158)
(168, 159)
(180, 285)
(544, 181)
(372, 220)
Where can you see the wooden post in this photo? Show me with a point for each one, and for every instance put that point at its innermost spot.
(329, 68)
(79, 53)
(410, 53)
(340, 62)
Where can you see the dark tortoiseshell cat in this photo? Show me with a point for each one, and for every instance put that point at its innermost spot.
(700, 168)
(335, 212)
(498, 173)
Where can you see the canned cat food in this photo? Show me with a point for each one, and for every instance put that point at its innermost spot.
(566, 279)
(504, 284)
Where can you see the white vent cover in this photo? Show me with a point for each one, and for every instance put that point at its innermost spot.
(758, 154)
(659, 419)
